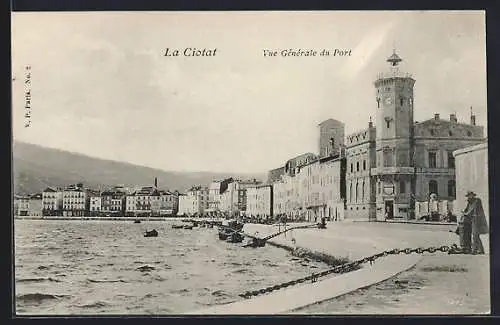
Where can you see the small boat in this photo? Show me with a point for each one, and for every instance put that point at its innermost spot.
(235, 238)
(177, 226)
(255, 242)
(223, 234)
(152, 233)
(137, 221)
(187, 227)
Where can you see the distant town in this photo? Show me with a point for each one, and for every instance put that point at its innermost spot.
(396, 169)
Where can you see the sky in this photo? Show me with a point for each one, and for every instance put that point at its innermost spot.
(101, 85)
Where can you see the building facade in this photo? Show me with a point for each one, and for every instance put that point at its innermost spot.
(75, 201)
(95, 207)
(52, 202)
(259, 200)
(35, 205)
(360, 159)
(413, 160)
(472, 175)
(21, 205)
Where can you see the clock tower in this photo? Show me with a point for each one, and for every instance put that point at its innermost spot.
(394, 100)
(394, 140)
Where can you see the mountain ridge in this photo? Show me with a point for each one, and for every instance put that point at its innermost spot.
(35, 167)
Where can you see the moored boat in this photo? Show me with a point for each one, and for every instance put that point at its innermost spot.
(152, 233)
(177, 226)
(235, 238)
(187, 227)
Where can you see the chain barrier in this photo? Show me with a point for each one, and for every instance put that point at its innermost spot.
(351, 266)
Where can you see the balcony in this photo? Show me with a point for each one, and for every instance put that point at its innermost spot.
(438, 171)
(392, 170)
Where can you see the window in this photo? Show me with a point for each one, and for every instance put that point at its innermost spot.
(401, 100)
(402, 187)
(388, 122)
(388, 158)
(357, 166)
(469, 133)
(356, 192)
(350, 192)
(451, 160)
(378, 106)
(364, 164)
(433, 187)
(451, 189)
(351, 168)
(432, 159)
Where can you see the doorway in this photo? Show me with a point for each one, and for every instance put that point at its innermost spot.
(389, 209)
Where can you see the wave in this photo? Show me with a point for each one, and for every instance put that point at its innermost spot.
(38, 297)
(220, 293)
(146, 268)
(106, 281)
(37, 280)
(97, 304)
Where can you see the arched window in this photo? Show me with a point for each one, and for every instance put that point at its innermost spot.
(357, 166)
(364, 164)
(451, 189)
(433, 187)
(350, 193)
(357, 192)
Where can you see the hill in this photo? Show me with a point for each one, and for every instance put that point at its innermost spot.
(36, 167)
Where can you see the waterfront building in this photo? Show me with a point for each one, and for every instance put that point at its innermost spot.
(259, 200)
(196, 201)
(52, 202)
(286, 198)
(163, 203)
(75, 201)
(95, 204)
(113, 202)
(184, 204)
(35, 205)
(361, 158)
(233, 197)
(331, 137)
(131, 204)
(472, 175)
(214, 192)
(413, 160)
(21, 205)
(143, 200)
(322, 187)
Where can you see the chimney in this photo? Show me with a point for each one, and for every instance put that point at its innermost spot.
(453, 118)
(473, 119)
(436, 116)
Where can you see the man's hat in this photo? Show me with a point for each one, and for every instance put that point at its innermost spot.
(470, 193)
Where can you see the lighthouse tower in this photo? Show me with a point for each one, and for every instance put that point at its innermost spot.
(394, 134)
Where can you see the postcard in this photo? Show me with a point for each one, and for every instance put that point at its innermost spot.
(253, 162)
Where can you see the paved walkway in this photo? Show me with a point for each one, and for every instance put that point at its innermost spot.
(341, 239)
(287, 300)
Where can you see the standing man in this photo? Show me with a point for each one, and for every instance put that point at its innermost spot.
(474, 223)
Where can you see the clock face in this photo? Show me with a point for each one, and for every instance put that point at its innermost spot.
(388, 100)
